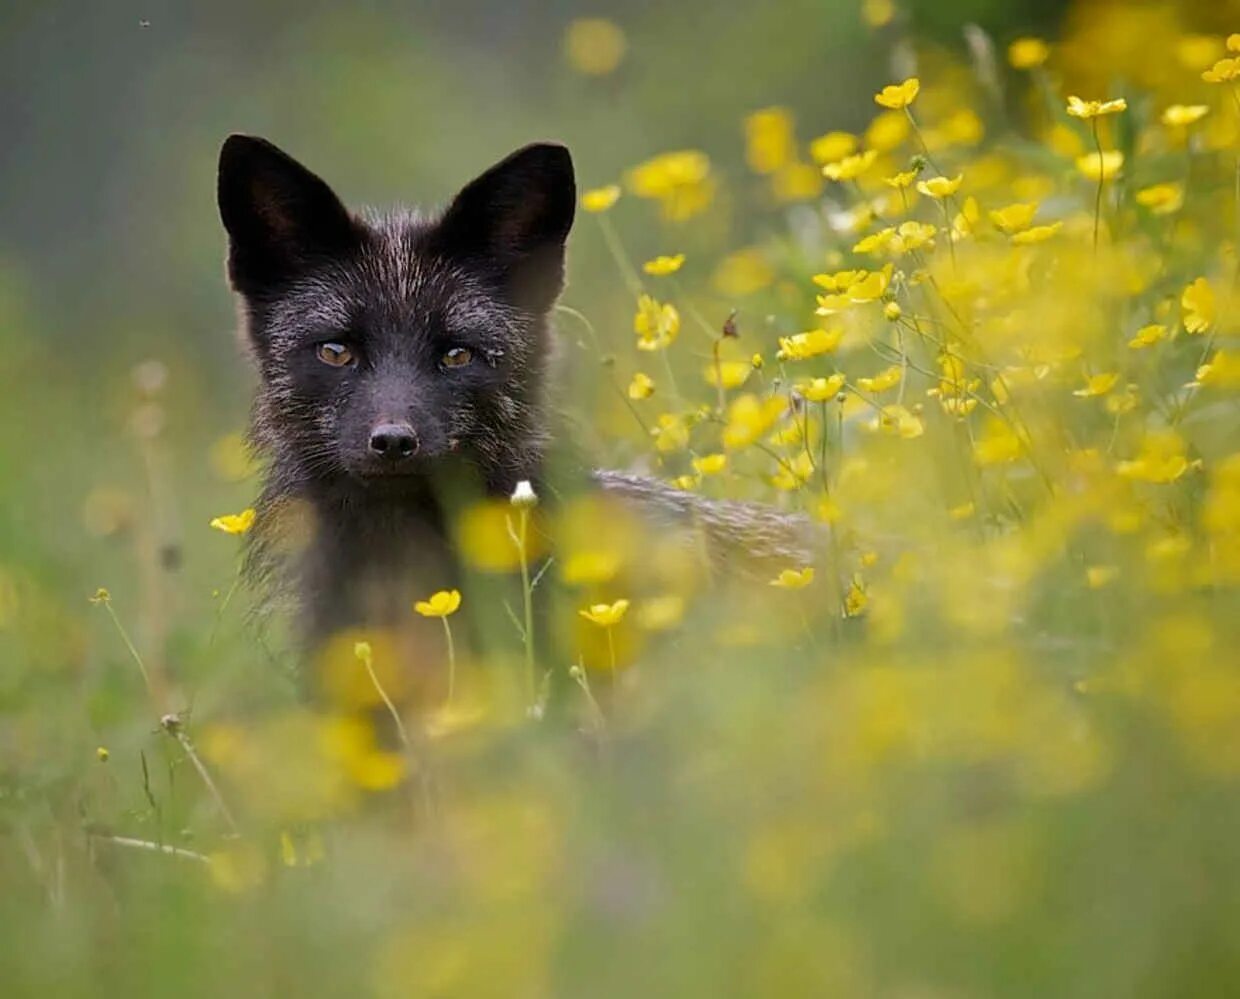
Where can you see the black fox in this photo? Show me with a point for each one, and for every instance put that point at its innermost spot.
(403, 360)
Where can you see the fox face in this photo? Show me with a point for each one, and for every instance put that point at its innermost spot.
(391, 345)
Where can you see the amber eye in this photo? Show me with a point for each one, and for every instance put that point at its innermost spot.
(335, 354)
(457, 357)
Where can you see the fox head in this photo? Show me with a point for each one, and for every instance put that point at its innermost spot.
(388, 345)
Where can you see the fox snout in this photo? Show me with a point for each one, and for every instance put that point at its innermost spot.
(393, 442)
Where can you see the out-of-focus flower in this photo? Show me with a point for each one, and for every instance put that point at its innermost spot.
(1161, 460)
(1096, 385)
(1147, 336)
(1198, 306)
(1223, 71)
(670, 433)
(941, 187)
(749, 418)
(1184, 114)
(710, 464)
(605, 615)
(850, 167)
(821, 389)
(655, 323)
(1028, 53)
(1221, 371)
(664, 265)
(898, 421)
(1100, 576)
(886, 379)
(235, 523)
(898, 95)
(681, 181)
(594, 46)
(743, 272)
(794, 579)
(1161, 199)
(729, 374)
(1078, 108)
(641, 387)
(770, 140)
(1038, 234)
(440, 604)
(600, 198)
(1094, 166)
(832, 147)
(1014, 218)
(803, 346)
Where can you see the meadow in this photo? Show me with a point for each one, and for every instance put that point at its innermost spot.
(979, 327)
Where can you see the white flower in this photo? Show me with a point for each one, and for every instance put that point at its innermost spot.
(524, 495)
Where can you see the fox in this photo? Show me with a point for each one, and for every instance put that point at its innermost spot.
(403, 360)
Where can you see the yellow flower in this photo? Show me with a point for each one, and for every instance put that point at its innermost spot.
(710, 464)
(899, 422)
(731, 374)
(235, 523)
(1104, 167)
(591, 567)
(1028, 53)
(998, 444)
(743, 272)
(1161, 460)
(1014, 218)
(681, 181)
(655, 323)
(749, 418)
(1147, 336)
(1038, 234)
(605, 615)
(102, 754)
(941, 187)
(440, 604)
(1223, 71)
(641, 387)
(802, 346)
(1198, 306)
(770, 140)
(850, 167)
(1096, 385)
(594, 46)
(670, 434)
(899, 95)
(663, 265)
(821, 389)
(1161, 199)
(901, 180)
(886, 379)
(1184, 114)
(794, 579)
(833, 146)
(1221, 371)
(855, 600)
(892, 311)
(1078, 108)
(600, 198)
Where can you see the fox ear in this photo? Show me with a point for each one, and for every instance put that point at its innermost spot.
(280, 217)
(513, 221)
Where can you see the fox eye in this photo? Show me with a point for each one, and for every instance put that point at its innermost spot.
(336, 355)
(457, 357)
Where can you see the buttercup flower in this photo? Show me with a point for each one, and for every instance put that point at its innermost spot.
(600, 198)
(794, 579)
(1184, 114)
(1104, 167)
(1028, 53)
(1198, 306)
(655, 323)
(641, 387)
(235, 523)
(605, 615)
(1078, 108)
(440, 604)
(941, 187)
(850, 167)
(662, 266)
(898, 95)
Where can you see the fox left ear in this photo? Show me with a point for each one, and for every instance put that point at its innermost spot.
(513, 221)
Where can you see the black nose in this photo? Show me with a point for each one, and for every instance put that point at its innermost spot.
(393, 441)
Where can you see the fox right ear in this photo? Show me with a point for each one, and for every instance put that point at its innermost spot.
(280, 217)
